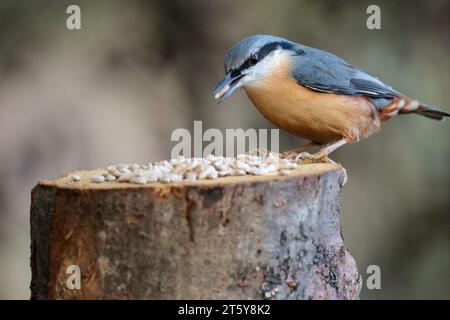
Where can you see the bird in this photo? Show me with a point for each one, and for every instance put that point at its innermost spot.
(313, 94)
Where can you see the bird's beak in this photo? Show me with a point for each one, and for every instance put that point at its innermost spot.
(227, 86)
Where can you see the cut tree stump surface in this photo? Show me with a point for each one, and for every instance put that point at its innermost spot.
(246, 237)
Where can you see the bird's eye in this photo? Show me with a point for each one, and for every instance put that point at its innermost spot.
(253, 60)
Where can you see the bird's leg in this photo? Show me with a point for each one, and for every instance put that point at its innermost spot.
(323, 153)
(300, 150)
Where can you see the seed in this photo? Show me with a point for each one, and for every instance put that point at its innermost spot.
(271, 158)
(127, 177)
(283, 164)
(202, 174)
(254, 163)
(222, 91)
(114, 171)
(209, 172)
(152, 177)
(226, 172)
(176, 177)
(139, 180)
(252, 170)
(166, 164)
(238, 172)
(171, 177)
(165, 179)
(75, 178)
(213, 175)
(121, 167)
(124, 171)
(135, 167)
(210, 167)
(220, 166)
(163, 169)
(191, 177)
(286, 164)
(266, 170)
(199, 168)
(240, 165)
(109, 177)
(97, 178)
(179, 170)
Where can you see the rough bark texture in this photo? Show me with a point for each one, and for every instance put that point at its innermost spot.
(233, 238)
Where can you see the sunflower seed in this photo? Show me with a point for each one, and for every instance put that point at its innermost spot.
(237, 172)
(139, 180)
(208, 173)
(192, 169)
(191, 176)
(109, 177)
(124, 171)
(127, 177)
(97, 178)
(75, 178)
(121, 167)
(135, 167)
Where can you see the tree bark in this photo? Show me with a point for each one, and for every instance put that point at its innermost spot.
(250, 237)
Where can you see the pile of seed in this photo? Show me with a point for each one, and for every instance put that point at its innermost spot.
(193, 169)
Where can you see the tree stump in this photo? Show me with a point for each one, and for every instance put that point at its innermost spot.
(250, 237)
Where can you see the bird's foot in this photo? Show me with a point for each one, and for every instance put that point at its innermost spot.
(291, 154)
(305, 157)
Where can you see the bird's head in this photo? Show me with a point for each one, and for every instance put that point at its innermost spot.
(250, 61)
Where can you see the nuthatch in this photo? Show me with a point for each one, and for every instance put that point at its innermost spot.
(312, 93)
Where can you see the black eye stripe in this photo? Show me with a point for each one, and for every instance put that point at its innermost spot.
(266, 49)
(249, 62)
(235, 73)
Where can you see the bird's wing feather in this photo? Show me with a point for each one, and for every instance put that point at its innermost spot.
(325, 72)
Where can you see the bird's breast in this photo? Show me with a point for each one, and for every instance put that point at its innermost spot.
(317, 116)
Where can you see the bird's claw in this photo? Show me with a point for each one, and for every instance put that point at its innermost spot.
(305, 157)
(302, 156)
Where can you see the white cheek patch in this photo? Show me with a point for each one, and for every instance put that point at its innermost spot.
(264, 68)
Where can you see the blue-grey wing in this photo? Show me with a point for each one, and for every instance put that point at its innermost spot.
(325, 72)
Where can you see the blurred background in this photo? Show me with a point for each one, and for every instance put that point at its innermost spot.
(114, 91)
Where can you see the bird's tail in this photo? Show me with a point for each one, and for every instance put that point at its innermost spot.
(431, 112)
(405, 105)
